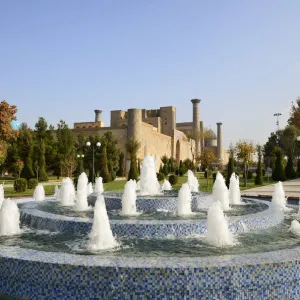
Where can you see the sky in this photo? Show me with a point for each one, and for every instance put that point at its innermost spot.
(61, 59)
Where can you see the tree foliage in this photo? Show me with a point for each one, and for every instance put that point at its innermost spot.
(294, 118)
(259, 175)
(207, 157)
(230, 167)
(133, 147)
(7, 114)
(278, 173)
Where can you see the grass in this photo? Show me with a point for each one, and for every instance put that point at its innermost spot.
(119, 185)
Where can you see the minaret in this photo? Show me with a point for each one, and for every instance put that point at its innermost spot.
(219, 141)
(98, 115)
(196, 125)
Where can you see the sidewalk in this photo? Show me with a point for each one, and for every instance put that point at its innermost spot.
(291, 188)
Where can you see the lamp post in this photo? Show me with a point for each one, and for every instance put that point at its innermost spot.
(277, 122)
(80, 157)
(93, 148)
(206, 170)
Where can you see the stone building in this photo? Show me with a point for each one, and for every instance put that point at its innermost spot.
(156, 130)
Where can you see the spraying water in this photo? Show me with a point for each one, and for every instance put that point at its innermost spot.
(184, 200)
(99, 185)
(101, 236)
(295, 227)
(166, 186)
(67, 192)
(220, 192)
(90, 189)
(1, 194)
(278, 198)
(218, 233)
(56, 192)
(149, 184)
(129, 199)
(82, 183)
(81, 200)
(39, 193)
(193, 182)
(9, 218)
(234, 190)
(138, 187)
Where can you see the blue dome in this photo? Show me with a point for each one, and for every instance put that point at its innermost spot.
(16, 125)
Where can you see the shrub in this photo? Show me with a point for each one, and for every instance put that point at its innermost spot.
(290, 172)
(165, 170)
(32, 183)
(133, 171)
(160, 176)
(20, 185)
(278, 172)
(173, 179)
(230, 167)
(182, 169)
(249, 175)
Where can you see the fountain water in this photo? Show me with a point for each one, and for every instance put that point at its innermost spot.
(166, 186)
(278, 198)
(138, 187)
(193, 182)
(56, 191)
(90, 188)
(234, 190)
(220, 192)
(9, 218)
(99, 185)
(184, 200)
(101, 236)
(67, 192)
(218, 233)
(295, 227)
(1, 194)
(149, 184)
(39, 193)
(82, 183)
(129, 199)
(81, 201)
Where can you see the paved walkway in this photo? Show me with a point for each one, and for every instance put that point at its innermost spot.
(291, 188)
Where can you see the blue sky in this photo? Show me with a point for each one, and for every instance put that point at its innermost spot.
(63, 59)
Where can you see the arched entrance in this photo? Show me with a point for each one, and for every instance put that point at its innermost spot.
(178, 152)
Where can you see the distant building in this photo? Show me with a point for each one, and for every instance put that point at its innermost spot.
(157, 131)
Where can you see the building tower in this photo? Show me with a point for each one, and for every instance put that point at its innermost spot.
(196, 126)
(219, 142)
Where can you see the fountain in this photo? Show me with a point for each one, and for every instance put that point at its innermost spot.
(9, 218)
(278, 198)
(138, 187)
(149, 184)
(82, 183)
(67, 192)
(39, 193)
(90, 189)
(99, 185)
(1, 194)
(218, 233)
(166, 186)
(184, 200)
(220, 192)
(295, 227)
(234, 190)
(193, 182)
(56, 191)
(129, 199)
(101, 237)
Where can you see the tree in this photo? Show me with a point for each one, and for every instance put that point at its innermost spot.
(244, 152)
(278, 171)
(268, 150)
(7, 114)
(133, 147)
(120, 171)
(104, 172)
(259, 175)
(25, 147)
(294, 118)
(40, 132)
(207, 157)
(230, 167)
(19, 167)
(290, 172)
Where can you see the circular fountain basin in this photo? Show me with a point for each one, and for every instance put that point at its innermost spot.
(55, 265)
(35, 218)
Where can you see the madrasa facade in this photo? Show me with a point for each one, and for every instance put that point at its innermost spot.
(157, 132)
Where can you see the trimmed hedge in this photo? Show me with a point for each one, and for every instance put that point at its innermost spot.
(20, 185)
(160, 176)
(32, 183)
(173, 179)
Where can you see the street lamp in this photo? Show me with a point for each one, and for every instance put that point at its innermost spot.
(80, 167)
(206, 170)
(93, 148)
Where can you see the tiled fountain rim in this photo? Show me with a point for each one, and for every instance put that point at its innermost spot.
(40, 213)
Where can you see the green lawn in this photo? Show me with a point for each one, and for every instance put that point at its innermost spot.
(119, 185)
